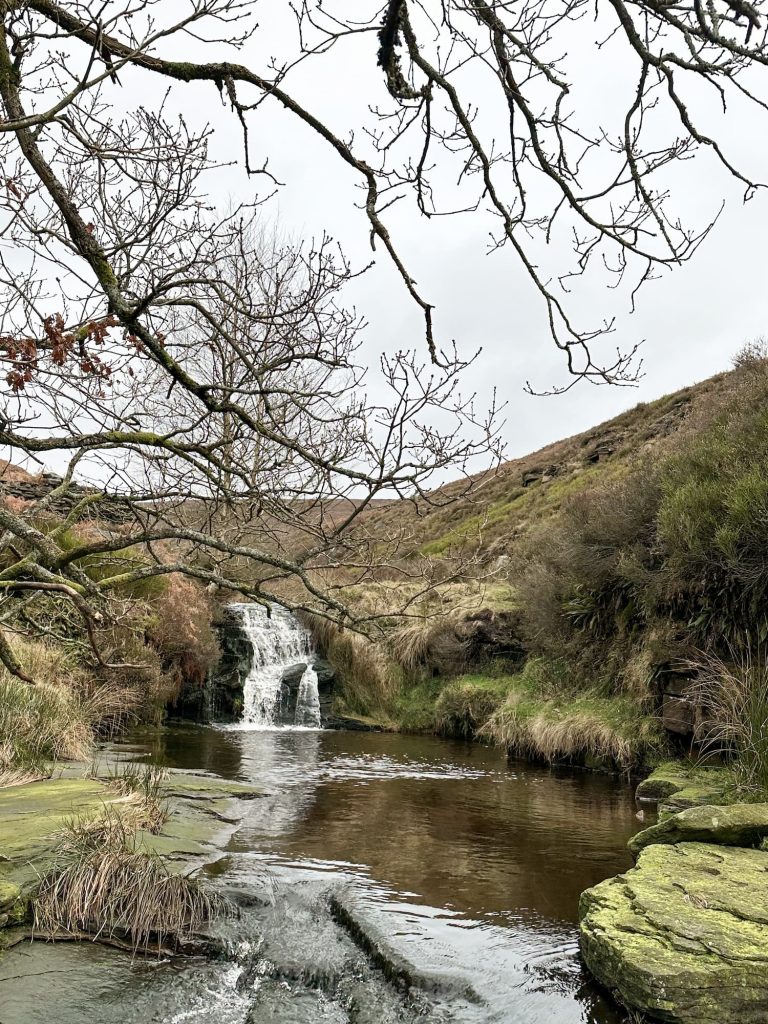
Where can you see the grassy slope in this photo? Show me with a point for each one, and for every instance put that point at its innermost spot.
(541, 709)
(499, 508)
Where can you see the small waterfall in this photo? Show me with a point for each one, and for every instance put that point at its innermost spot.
(278, 641)
(308, 702)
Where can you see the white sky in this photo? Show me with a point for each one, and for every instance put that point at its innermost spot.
(693, 320)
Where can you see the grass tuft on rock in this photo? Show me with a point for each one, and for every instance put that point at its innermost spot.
(576, 726)
(105, 886)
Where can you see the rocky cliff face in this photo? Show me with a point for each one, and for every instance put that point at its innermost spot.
(112, 507)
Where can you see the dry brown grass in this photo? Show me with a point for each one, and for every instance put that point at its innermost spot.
(733, 698)
(180, 631)
(105, 886)
(369, 681)
(413, 646)
(574, 729)
(58, 717)
(142, 785)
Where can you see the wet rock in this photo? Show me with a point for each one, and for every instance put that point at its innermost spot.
(326, 675)
(222, 695)
(372, 931)
(351, 724)
(677, 786)
(683, 936)
(735, 825)
(31, 814)
(292, 676)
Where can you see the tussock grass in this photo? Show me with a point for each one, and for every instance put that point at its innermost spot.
(412, 646)
(58, 717)
(22, 775)
(465, 706)
(105, 886)
(368, 680)
(143, 784)
(733, 697)
(572, 730)
(557, 725)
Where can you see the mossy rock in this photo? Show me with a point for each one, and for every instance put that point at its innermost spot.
(734, 825)
(665, 780)
(676, 786)
(32, 814)
(683, 936)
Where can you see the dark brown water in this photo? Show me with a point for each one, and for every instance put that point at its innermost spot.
(469, 865)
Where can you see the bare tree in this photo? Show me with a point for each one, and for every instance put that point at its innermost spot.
(115, 285)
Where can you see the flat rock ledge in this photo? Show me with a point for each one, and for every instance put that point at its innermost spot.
(683, 936)
(732, 825)
(676, 786)
(203, 811)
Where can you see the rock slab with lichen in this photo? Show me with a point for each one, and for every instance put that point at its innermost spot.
(731, 825)
(683, 936)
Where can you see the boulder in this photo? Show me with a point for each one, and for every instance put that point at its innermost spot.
(293, 675)
(326, 675)
(683, 936)
(734, 825)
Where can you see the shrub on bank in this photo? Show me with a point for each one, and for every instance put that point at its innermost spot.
(367, 682)
(577, 726)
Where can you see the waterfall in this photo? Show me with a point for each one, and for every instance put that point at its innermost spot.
(308, 703)
(278, 641)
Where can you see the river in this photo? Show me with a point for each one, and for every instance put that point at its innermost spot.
(463, 864)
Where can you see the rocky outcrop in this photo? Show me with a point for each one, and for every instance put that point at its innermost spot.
(221, 699)
(111, 507)
(683, 936)
(734, 825)
(291, 683)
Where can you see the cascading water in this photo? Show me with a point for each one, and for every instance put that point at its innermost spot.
(278, 642)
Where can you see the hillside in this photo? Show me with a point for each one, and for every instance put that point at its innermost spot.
(611, 571)
(560, 606)
(490, 510)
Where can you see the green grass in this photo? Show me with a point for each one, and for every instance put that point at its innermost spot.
(473, 526)
(579, 727)
(57, 717)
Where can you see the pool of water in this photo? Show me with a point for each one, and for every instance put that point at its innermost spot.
(464, 864)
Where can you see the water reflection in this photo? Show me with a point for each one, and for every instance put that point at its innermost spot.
(454, 825)
(469, 865)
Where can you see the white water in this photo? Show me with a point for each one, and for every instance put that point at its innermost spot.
(278, 641)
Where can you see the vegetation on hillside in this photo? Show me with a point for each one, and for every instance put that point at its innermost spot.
(648, 561)
(153, 644)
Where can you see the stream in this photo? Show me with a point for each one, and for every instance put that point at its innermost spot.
(463, 866)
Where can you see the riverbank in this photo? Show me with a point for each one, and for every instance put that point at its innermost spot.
(469, 865)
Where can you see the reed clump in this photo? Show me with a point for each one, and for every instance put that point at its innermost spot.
(105, 886)
(732, 696)
(142, 785)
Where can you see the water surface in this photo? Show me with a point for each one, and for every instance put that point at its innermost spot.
(468, 864)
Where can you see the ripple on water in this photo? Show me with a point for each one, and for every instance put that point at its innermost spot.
(470, 867)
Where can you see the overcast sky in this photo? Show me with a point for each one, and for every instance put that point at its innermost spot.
(693, 320)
